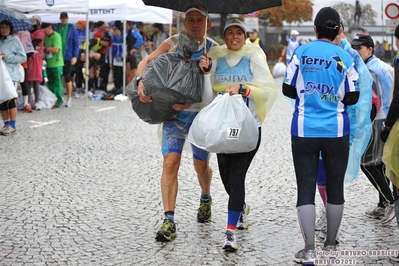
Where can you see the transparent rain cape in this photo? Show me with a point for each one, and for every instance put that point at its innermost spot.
(359, 116)
(263, 87)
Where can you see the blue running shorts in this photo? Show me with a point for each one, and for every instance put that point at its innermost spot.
(174, 134)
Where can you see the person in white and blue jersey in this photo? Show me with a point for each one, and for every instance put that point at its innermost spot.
(323, 80)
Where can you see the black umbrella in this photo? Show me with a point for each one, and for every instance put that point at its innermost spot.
(217, 6)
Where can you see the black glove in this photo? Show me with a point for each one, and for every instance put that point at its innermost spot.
(384, 134)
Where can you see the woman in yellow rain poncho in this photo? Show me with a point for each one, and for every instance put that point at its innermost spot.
(240, 68)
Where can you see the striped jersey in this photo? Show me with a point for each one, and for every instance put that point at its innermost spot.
(322, 73)
(240, 72)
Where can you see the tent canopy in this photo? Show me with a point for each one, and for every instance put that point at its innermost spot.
(47, 6)
(104, 10)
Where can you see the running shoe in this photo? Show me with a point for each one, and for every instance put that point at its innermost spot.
(8, 131)
(27, 108)
(167, 231)
(69, 103)
(242, 221)
(330, 252)
(230, 242)
(394, 258)
(322, 220)
(204, 211)
(377, 212)
(306, 257)
(323, 234)
(389, 213)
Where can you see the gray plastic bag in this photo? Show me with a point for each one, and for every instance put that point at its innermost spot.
(175, 71)
(170, 78)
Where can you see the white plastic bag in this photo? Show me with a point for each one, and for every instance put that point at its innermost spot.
(21, 73)
(279, 69)
(225, 126)
(47, 98)
(7, 88)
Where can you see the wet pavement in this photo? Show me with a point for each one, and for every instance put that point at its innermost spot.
(80, 186)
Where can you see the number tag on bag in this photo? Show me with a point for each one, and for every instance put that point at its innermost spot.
(233, 133)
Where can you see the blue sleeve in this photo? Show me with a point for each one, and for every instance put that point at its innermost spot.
(139, 39)
(75, 40)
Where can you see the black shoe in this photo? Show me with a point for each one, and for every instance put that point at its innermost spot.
(167, 231)
(204, 211)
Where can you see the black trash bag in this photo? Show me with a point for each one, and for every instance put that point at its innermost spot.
(170, 78)
(176, 71)
(159, 110)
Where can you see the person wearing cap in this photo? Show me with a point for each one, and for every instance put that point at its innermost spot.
(95, 47)
(371, 162)
(289, 47)
(322, 79)
(258, 90)
(391, 125)
(38, 19)
(70, 50)
(35, 62)
(80, 26)
(360, 127)
(55, 61)
(254, 38)
(196, 23)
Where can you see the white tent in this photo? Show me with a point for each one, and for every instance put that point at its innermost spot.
(56, 6)
(92, 10)
(115, 10)
(106, 10)
(50, 6)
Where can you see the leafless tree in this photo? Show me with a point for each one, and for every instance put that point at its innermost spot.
(347, 13)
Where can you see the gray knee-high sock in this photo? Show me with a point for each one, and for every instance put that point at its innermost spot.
(334, 217)
(307, 220)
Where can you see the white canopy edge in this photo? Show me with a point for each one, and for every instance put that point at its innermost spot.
(53, 6)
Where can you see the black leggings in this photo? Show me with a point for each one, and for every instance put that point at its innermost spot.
(233, 169)
(377, 177)
(25, 86)
(118, 76)
(7, 105)
(79, 74)
(306, 153)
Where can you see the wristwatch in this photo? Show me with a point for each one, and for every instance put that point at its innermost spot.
(243, 89)
(137, 80)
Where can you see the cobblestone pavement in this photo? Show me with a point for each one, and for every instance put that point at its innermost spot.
(80, 186)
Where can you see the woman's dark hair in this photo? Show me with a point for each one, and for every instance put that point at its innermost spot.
(328, 31)
(100, 23)
(159, 26)
(9, 24)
